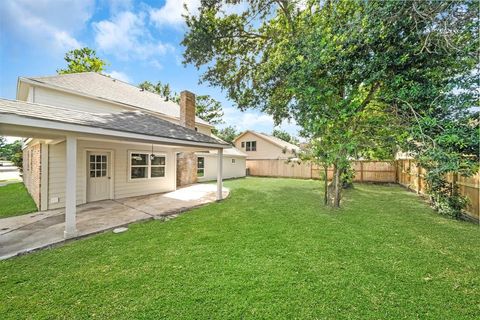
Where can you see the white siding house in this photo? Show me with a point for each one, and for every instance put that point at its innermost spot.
(92, 137)
(260, 146)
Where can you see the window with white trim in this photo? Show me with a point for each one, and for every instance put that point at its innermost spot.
(146, 166)
(243, 144)
(157, 166)
(233, 161)
(251, 146)
(200, 166)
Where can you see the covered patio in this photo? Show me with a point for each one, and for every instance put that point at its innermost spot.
(22, 234)
(82, 133)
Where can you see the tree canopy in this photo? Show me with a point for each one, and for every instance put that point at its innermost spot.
(363, 78)
(11, 151)
(227, 134)
(83, 60)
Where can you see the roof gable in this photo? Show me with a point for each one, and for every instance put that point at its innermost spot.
(271, 139)
(98, 86)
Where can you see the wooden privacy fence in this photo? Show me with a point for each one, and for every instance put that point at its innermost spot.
(366, 171)
(404, 172)
(412, 176)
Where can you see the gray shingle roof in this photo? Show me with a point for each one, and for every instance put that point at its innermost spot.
(105, 87)
(128, 121)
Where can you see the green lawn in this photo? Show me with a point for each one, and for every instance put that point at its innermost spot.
(15, 200)
(270, 251)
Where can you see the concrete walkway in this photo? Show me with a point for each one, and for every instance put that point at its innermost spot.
(30, 232)
(9, 173)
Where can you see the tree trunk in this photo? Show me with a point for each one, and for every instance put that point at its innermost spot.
(338, 186)
(325, 193)
(335, 188)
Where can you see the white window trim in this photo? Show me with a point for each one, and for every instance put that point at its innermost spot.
(234, 161)
(203, 168)
(248, 144)
(149, 165)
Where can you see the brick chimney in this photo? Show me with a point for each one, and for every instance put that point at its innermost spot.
(187, 109)
(187, 161)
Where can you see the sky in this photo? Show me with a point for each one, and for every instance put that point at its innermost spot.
(139, 39)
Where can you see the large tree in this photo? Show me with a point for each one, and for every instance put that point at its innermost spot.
(83, 60)
(344, 70)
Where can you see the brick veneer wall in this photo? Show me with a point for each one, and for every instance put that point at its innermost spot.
(186, 168)
(187, 161)
(32, 171)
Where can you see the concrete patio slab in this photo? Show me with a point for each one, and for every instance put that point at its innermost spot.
(22, 234)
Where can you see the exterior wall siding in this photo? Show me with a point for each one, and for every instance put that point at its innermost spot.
(71, 101)
(32, 171)
(265, 149)
(230, 170)
(66, 100)
(122, 186)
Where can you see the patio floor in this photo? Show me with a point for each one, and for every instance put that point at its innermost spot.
(29, 232)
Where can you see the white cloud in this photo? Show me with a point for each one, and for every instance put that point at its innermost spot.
(170, 14)
(156, 64)
(127, 37)
(116, 6)
(119, 75)
(65, 41)
(172, 11)
(46, 23)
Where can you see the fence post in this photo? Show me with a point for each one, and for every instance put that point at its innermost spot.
(395, 163)
(409, 173)
(361, 171)
(454, 183)
(419, 178)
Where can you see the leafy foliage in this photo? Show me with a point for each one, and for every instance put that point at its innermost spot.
(209, 109)
(362, 78)
(83, 60)
(11, 152)
(227, 134)
(160, 89)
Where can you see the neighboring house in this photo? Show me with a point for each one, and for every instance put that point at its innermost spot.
(259, 146)
(93, 137)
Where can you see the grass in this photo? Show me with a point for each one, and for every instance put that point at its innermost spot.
(15, 200)
(270, 251)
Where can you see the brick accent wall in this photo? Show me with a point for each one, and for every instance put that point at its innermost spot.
(187, 109)
(187, 161)
(32, 171)
(186, 168)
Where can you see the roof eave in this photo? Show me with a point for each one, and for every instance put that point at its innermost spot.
(8, 119)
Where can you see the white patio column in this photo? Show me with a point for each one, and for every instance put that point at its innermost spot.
(71, 188)
(219, 174)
